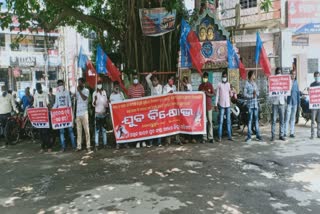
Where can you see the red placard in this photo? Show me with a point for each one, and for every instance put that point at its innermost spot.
(314, 93)
(39, 117)
(303, 12)
(61, 117)
(279, 85)
(159, 116)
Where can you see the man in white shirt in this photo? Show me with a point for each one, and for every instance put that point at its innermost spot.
(7, 104)
(186, 86)
(62, 99)
(116, 94)
(100, 104)
(41, 100)
(82, 118)
(169, 87)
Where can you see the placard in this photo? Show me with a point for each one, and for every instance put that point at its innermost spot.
(61, 117)
(314, 95)
(39, 117)
(279, 85)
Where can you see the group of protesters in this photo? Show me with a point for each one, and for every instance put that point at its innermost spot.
(286, 107)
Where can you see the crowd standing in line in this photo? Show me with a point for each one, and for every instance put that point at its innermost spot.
(286, 107)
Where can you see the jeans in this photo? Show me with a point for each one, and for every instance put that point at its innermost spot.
(315, 116)
(290, 116)
(253, 112)
(45, 137)
(209, 134)
(158, 141)
(71, 135)
(221, 116)
(277, 109)
(100, 126)
(83, 121)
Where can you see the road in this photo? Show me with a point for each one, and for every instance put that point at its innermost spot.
(228, 177)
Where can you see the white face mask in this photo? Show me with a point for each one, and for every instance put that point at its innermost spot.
(60, 88)
(99, 86)
(224, 79)
(135, 81)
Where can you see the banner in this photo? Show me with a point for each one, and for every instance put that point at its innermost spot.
(279, 85)
(314, 93)
(61, 117)
(304, 12)
(159, 116)
(157, 21)
(39, 117)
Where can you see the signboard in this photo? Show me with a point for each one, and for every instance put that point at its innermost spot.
(314, 93)
(312, 28)
(39, 117)
(61, 117)
(214, 51)
(300, 40)
(26, 61)
(157, 21)
(313, 65)
(158, 116)
(301, 13)
(279, 85)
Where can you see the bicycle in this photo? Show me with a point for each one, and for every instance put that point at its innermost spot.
(265, 113)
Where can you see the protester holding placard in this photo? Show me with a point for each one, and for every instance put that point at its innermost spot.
(207, 88)
(251, 93)
(82, 116)
(41, 100)
(278, 104)
(63, 99)
(315, 113)
(100, 104)
(156, 89)
(293, 101)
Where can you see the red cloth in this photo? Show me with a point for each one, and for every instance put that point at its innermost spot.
(91, 75)
(242, 69)
(264, 62)
(208, 88)
(195, 51)
(114, 74)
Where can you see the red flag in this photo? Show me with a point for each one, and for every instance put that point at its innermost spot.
(195, 51)
(91, 75)
(114, 74)
(242, 69)
(264, 62)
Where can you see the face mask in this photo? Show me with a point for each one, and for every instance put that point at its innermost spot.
(205, 80)
(60, 88)
(135, 81)
(317, 79)
(99, 86)
(224, 79)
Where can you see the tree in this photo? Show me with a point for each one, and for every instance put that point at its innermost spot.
(119, 19)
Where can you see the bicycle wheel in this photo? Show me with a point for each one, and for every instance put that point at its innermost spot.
(12, 132)
(30, 131)
(265, 116)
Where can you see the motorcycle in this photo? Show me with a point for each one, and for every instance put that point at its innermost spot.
(304, 105)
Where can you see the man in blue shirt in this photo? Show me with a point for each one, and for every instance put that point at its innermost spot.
(293, 101)
(27, 99)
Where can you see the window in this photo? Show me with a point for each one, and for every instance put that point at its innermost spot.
(39, 43)
(248, 3)
(2, 40)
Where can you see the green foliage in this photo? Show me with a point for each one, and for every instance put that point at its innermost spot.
(265, 5)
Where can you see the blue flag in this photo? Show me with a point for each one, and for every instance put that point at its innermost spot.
(101, 61)
(233, 59)
(184, 45)
(258, 48)
(82, 60)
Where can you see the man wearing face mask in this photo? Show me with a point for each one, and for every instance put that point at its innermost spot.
(41, 100)
(116, 94)
(315, 113)
(136, 90)
(100, 104)
(223, 103)
(278, 103)
(169, 87)
(63, 100)
(82, 118)
(207, 88)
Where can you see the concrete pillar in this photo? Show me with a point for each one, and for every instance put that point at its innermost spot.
(286, 49)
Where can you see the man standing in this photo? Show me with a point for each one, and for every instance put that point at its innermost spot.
(251, 93)
(27, 99)
(278, 103)
(207, 88)
(52, 98)
(293, 101)
(169, 87)
(315, 113)
(100, 104)
(6, 105)
(136, 90)
(62, 99)
(82, 118)
(223, 103)
(186, 86)
(156, 89)
(41, 100)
